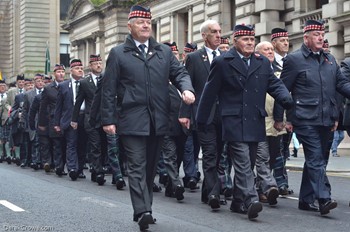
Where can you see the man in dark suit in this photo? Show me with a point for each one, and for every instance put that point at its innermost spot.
(46, 121)
(313, 77)
(135, 88)
(198, 65)
(67, 92)
(32, 140)
(87, 89)
(280, 41)
(240, 79)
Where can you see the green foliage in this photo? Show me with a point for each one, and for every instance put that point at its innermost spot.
(98, 2)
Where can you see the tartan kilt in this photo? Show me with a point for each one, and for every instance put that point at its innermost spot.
(4, 132)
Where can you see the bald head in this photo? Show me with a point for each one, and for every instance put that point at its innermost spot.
(266, 49)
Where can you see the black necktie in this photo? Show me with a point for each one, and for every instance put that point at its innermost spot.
(2, 96)
(214, 54)
(39, 91)
(20, 90)
(245, 60)
(77, 87)
(143, 51)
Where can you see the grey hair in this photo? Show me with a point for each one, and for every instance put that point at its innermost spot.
(205, 25)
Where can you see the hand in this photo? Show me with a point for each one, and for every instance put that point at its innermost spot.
(42, 128)
(110, 129)
(188, 97)
(334, 128)
(74, 125)
(57, 128)
(289, 127)
(279, 126)
(185, 122)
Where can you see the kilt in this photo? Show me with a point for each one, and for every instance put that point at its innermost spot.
(4, 133)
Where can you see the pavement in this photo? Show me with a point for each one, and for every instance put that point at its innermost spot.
(339, 164)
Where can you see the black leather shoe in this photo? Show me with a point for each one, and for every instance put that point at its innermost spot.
(327, 206)
(272, 195)
(23, 165)
(214, 202)
(156, 188)
(145, 220)
(254, 208)
(237, 207)
(163, 179)
(228, 192)
(283, 190)
(93, 176)
(73, 175)
(81, 175)
(120, 183)
(100, 179)
(179, 192)
(8, 160)
(308, 206)
(192, 184)
(59, 172)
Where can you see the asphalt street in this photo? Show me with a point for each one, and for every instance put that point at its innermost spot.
(50, 203)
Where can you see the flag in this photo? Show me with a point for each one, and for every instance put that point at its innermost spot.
(47, 60)
(0, 75)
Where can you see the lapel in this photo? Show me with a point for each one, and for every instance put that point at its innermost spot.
(235, 61)
(276, 66)
(204, 58)
(153, 48)
(255, 63)
(92, 83)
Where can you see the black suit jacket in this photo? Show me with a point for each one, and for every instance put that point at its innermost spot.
(86, 93)
(64, 105)
(242, 95)
(47, 108)
(33, 111)
(198, 66)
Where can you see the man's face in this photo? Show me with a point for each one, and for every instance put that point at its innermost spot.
(314, 40)
(224, 47)
(77, 72)
(281, 45)
(140, 29)
(212, 37)
(20, 84)
(267, 50)
(96, 67)
(2, 88)
(39, 83)
(28, 85)
(245, 45)
(59, 75)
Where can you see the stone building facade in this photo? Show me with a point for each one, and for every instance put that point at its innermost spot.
(26, 28)
(27, 25)
(97, 29)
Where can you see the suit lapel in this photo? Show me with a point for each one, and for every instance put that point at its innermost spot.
(236, 62)
(205, 59)
(255, 63)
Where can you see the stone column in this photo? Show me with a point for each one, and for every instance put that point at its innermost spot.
(190, 24)
(269, 17)
(335, 34)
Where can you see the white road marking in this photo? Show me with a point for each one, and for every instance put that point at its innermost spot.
(292, 198)
(11, 206)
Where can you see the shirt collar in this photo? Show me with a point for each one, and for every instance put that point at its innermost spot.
(138, 43)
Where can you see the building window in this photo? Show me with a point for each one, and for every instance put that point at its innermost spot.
(64, 7)
(320, 3)
(64, 49)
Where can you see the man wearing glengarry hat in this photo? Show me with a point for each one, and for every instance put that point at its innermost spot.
(46, 124)
(313, 77)
(67, 92)
(135, 98)
(240, 79)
